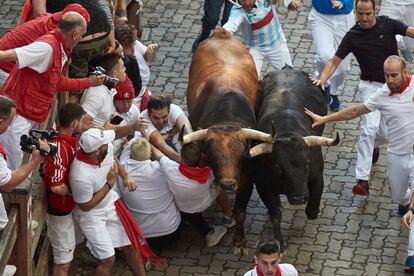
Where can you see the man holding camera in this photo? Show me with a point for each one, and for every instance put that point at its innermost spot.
(37, 77)
(60, 230)
(9, 179)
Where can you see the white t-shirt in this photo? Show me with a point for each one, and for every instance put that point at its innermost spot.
(190, 196)
(129, 117)
(398, 113)
(144, 70)
(152, 203)
(37, 56)
(285, 269)
(175, 112)
(87, 179)
(98, 102)
(5, 176)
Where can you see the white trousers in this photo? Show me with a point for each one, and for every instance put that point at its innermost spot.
(373, 132)
(11, 140)
(404, 13)
(277, 56)
(400, 172)
(327, 32)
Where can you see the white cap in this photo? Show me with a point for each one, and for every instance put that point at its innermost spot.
(93, 138)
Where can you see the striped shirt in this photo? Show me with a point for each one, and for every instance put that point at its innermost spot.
(267, 36)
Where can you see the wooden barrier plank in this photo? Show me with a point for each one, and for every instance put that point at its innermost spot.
(8, 238)
(42, 267)
(39, 213)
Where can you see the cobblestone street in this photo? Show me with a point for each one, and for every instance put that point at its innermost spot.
(352, 236)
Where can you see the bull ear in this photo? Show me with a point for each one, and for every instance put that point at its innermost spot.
(181, 135)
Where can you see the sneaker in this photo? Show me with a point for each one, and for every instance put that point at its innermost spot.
(375, 155)
(9, 270)
(407, 54)
(327, 95)
(409, 264)
(214, 236)
(229, 222)
(335, 104)
(361, 188)
(403, 209)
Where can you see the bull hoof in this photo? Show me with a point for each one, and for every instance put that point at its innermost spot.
(312, 213)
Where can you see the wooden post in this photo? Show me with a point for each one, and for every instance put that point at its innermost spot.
(22, 198)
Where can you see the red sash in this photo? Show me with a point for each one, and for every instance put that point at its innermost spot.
(266, 20)
(136, 237)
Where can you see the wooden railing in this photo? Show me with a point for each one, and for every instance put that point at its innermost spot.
(21, 246)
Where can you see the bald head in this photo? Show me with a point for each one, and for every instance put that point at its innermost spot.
(71, 21)
(394, 59)
(140, 150)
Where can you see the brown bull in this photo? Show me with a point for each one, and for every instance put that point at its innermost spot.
(221, 98)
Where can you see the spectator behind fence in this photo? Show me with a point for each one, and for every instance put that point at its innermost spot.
(9, 179)
(28, 32)
(60, 225)
(152, 203)
(267, 258)
(37, 77)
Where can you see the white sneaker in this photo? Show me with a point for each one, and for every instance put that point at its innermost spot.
(214, 236)
(9, 270)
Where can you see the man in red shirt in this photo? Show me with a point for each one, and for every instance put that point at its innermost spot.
(60, 230)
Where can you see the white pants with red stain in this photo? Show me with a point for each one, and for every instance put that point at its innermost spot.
(327, 32)
(373, 131)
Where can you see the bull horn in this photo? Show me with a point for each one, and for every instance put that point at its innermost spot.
(313, 141)
(194, 136)
(256, 135)
(260, 149)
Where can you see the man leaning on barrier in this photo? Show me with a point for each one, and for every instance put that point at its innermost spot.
(9, 179)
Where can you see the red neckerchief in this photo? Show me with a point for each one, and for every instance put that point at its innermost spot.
(136, 237)
(60, 38)
(403, 86)
(144, 101)
(3, 152)
(278, 272)
(71, 140)
(199, 174)
(83, 157)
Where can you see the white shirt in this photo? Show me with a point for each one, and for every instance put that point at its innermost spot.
(285, 269)
(5, 176)
(398, 113)
(37, 56)
(190, 196)
(144, 70)
(87, 179)
(128, 117)
(175, 112)
(152, 203)
(98, 102)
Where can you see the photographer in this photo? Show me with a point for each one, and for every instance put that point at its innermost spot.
(98, 101)
(9, 179)
(60, 227)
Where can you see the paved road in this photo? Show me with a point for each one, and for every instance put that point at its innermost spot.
(352, 236)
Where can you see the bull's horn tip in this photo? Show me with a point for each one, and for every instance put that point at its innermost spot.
(337, 140)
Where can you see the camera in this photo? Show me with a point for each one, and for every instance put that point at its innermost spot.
(108, 81)
(28, 141)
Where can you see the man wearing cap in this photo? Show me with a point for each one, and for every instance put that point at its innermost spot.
(37, 77)
(30, 31)
(60, 226)
(125, 110)
(92, 176)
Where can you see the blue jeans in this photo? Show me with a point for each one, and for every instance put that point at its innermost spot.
(211, 17)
